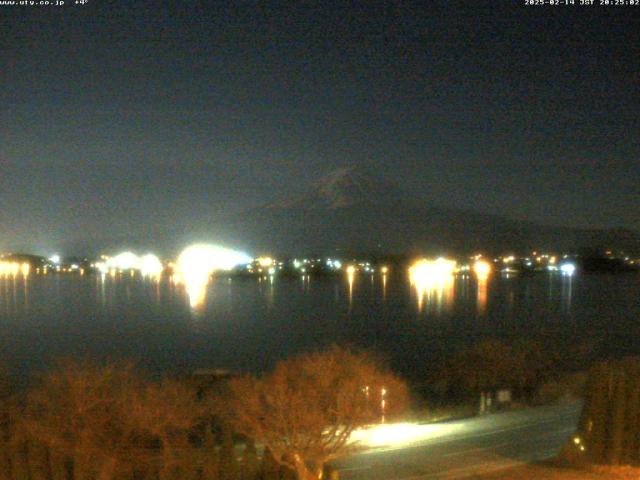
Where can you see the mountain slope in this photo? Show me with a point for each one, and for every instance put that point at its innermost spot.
(352, 211)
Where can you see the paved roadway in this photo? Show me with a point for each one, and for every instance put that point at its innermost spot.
(463, 448)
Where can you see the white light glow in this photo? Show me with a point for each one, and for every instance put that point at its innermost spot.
(102, 267)
(196, 264)
(482, 269)
(150, 265)
(265, 261)
(401, 434)
(14, 268)
(567, 268)
(433, 280)
(124, 261)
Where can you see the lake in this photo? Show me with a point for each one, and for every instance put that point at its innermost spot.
(247, 324)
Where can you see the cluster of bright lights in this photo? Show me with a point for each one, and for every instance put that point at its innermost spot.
(536, 261)
(365, 267)
(148, 265)
(202, 259)
(303, 265)
(264, 264)
(14, 268)
(335, 264)
(314, 264)
(124, 261)
(432, 277)
(568, 269)
(426, 270)
(482, 269)
(265, 261)
(542, 258)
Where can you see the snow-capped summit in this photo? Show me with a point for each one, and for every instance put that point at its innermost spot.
(346, 187)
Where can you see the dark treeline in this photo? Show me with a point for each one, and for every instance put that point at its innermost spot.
(536, 369)
(83, 421)
(609, 426)
(91, 422)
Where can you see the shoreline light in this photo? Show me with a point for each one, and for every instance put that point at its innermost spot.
(150, 265)
(424, 269)
(265, 261)
(482, 269)
(197, 262)
(433, 280)
(124, 261)
(15, 268)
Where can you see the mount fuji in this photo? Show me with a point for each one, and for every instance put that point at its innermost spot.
(352, 211)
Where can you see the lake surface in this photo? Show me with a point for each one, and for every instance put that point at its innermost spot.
(248, 324)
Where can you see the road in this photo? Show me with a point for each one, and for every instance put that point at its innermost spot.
(462, 448)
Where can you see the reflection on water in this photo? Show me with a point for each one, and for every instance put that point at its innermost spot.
(433, 282)
(482, 270)
(244, 322)
(196, 288)
(351, 272)
(567, 291)
(15, 279)
(482, 295)
(102, 288)
(435, 295)
(198, 262)
(271, 292)
(384, 286)
(433, 291)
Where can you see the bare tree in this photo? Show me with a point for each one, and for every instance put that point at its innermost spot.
(5, 425)
(109, 419)
(78, 411)
(165, 413)
(492, 364)
(306, 409)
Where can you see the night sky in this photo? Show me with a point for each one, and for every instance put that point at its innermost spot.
(146, 117)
